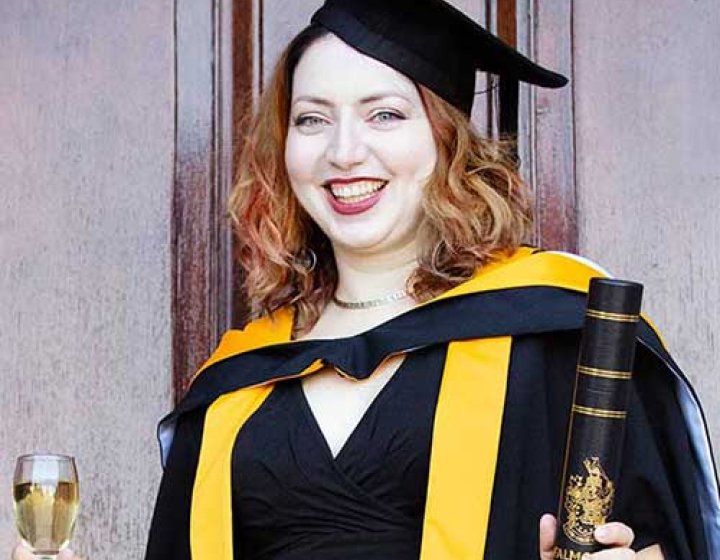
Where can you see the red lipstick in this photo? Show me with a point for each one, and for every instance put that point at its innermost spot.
(349, 208)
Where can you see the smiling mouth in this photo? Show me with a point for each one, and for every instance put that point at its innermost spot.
(356, 191)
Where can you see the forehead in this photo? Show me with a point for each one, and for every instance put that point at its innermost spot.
(331, 69)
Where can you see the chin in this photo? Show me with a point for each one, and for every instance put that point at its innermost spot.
(370, 241)
(362, 244)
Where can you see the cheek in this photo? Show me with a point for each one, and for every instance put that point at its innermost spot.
(300, 158)
(413, 155)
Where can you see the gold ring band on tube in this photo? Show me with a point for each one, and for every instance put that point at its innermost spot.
(608, 316)
(606, 373)
(600, 412)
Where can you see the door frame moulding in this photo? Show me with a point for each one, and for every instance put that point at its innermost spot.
(546, 129)
(213, 70)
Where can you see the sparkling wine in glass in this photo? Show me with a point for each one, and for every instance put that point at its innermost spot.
(46, 497)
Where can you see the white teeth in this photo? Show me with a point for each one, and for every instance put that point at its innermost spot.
(359, 189)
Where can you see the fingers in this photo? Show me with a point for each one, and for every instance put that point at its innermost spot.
(612, 554)
(21, 552)
(618, 536)
(547, 536)
(67, 554)
(614, 534)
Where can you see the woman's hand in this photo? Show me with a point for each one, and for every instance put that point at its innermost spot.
(615, 535)
(22, 552)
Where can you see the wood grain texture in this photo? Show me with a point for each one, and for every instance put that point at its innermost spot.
(201, 241)
(85, 175)
(240, 33)
(193, 200)
(549, 124)
(647, 121)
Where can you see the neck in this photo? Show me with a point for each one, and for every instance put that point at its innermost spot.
(363, 277)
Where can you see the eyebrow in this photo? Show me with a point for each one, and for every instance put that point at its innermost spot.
(364, 101)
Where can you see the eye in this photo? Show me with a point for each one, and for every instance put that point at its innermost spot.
(385, 117)
(309, 122)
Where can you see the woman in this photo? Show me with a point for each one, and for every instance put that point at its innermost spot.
(404, 390)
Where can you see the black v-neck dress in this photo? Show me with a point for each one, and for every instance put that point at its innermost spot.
(293, 500)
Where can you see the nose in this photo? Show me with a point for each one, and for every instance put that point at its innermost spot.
(346, 147)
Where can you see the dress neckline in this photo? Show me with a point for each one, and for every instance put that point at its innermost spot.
(315, 426)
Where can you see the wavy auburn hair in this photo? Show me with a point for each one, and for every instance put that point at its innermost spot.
(476, 207)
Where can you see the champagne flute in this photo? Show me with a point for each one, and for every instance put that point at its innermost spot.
(46, 497)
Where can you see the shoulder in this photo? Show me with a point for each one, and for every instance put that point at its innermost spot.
(566, 257)
(529, 267)
(263, 331)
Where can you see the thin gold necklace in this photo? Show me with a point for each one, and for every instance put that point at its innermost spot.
(367, 304)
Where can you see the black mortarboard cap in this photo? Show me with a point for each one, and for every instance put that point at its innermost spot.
(432, 43)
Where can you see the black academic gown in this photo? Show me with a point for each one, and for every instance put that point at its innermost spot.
(512, 335)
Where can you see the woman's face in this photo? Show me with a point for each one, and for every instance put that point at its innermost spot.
(359, 148)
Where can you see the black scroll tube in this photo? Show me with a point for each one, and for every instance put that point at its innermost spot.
(597, 422)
